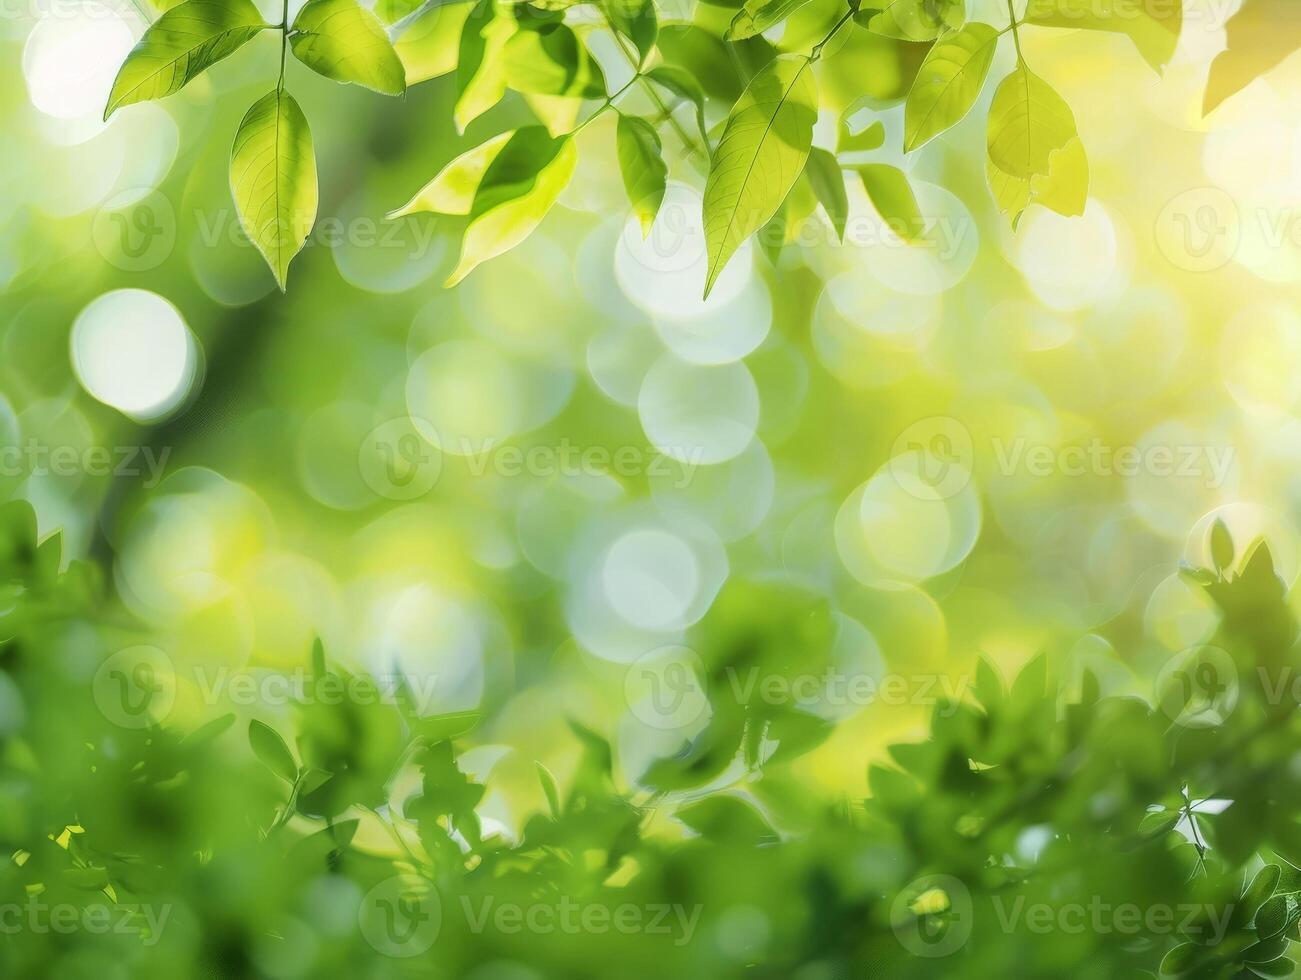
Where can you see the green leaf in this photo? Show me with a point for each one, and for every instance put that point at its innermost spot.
(392, 11)
(180, 45)
(1035, 156)
(948, 83)
(1277, 969)
(911, 20)
(429, 45)
(1258, 892)
(1064, 189)
(828, 183)
(1272, 918)
(1260, 36)
(683, 84)
(1159, 822)
(1221, 545)
(1179, 959)
(1028, 122)
(552, 61)
(452, 189)
(1153, 27)
(342, 40)
(727, 819)
(635, 20)
(273, 179)
(272, 751)
(872, 137)
(894, 200)
(756, 16)
(517, 190)
(548, 780)
(761, 155)
(641, 163)
(480, 64)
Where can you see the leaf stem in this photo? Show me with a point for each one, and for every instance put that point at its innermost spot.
(690, 144)
(284, 43)
(816, 53)
(1016, 33)
(609, 102)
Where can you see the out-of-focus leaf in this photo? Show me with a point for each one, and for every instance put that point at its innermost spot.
(642, 166)
(727, 819)
(272, 751)
(636, 20)
(911, 20)
(1153, 27)
(828, 183)
(1260, 36)
(756, 16)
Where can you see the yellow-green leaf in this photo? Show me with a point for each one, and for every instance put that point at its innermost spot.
(342, 40)
(894, 200)
(552, 61)
(641, 163)
(1028, 122)
(1153, 27)
(871, 137)
(452, 190)
(756, 16)
(179, 45)
(517, 190)
(635, 20)
(428, 46)
(481, 65)
(948, 83)
(1261, 34)
(828, 183)
(273, 179)
(1064, 188)
(763, 150)
(911, 20)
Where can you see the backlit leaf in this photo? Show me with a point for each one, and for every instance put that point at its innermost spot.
(518, 188)
(181, 44)
(911, 20)
(635, 20)
(452, 189)
(273, 179)
(894, 200)
(1153, 27)
(1260, 35)
(948, 83)
(756, 16)
(642, 165)
(342, 40)
(828, 183)
(762, 153)
(272, 751)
